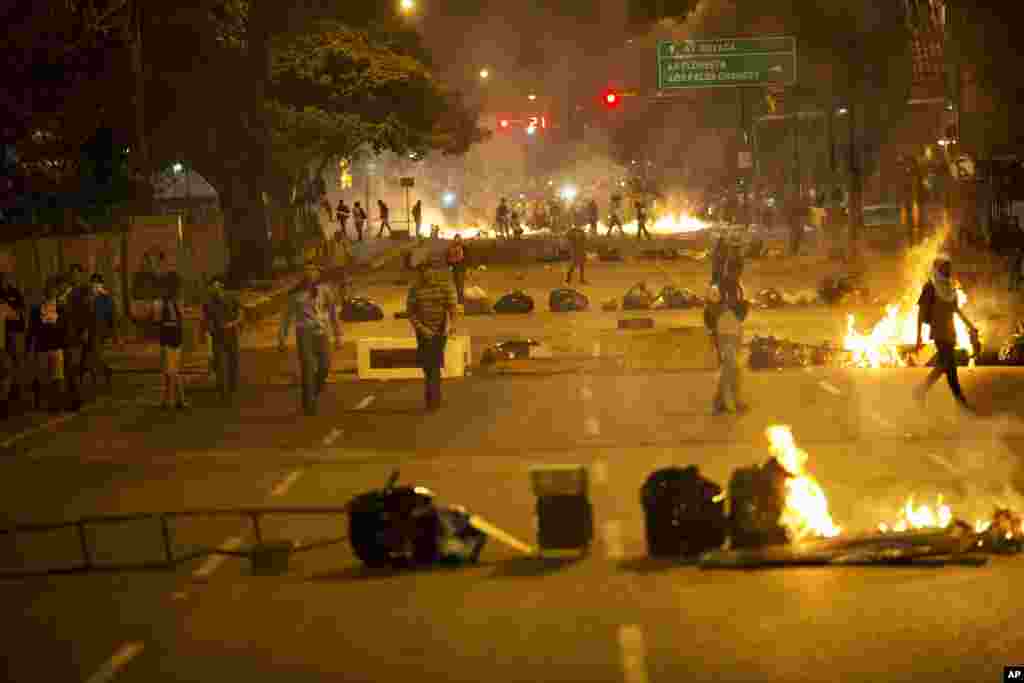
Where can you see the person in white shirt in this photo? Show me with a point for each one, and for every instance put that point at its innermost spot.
(727, 311)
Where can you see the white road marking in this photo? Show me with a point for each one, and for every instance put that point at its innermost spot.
(592, 426)
(877, 417)
(117, 661)
(597, 349)
(613, 540)
(283, 486)
(365, 403)
(600, 468)
(634, 656)
(214, 561)
(945, 464)
(332, 436)
(830, 388)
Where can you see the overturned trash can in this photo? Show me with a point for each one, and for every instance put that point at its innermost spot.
(684, 513)
(565, 521)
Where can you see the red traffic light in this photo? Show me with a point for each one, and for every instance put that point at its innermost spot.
(503, 123)
(611, 98)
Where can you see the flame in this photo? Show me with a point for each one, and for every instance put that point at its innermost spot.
(806, 511)
(926, 517)
(881, 346)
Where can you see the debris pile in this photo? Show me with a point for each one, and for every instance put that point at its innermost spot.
(843, 289)
(517, 349)
(1012, 352)
(638, 298)
(673, 298)
(770, 353)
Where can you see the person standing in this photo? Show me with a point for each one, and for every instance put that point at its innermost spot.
(417, 215)
(44, 344)
(314, 309)
(578, 250)
(457, 263)
(80, 318)
(937, 306)
(167, 312)
(14, 331)
(501, 218)
(641, 220)
(359, 218)
(222, 320)
(382, 208)
(104, 329)
(592, 216)
(342, 213)
(725, 313)
(432, 312)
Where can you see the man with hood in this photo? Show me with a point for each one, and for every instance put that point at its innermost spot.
(432, 312)
(936, 307)
(724, 315)
(314, 309)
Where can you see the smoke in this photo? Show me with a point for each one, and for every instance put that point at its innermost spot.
(918, 262)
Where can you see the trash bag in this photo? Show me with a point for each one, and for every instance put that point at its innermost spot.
(360, 309)
(1012, 351)
(769, 298)
(515, 302)
(837, 288)
(763, 353)
(563, 300)
(673, 298)
(757, 497)
(684, 513)
(404, 527)
(517, 349)
(637, 298)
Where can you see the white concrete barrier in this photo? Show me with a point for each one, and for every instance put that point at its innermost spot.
(402, 365)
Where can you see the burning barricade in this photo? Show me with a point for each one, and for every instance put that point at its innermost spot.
(770, 353)
(779, 515)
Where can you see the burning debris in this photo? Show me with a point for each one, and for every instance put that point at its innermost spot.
(771, 353)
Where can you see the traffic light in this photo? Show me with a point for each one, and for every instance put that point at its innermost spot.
(503, 124)
(611, 99)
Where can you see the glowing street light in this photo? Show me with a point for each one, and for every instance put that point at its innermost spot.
(407, 6)
(485, 74)
(448, 199)
(568, 193)
(178, 167)
(531, 97)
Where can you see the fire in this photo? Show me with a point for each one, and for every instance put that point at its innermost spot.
(806, 511)
(924, 517)
(883, 345)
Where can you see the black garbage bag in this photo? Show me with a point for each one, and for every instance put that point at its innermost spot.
(563, 300)
(763, 353)
(684, 513)
(516, 349)
(673, 298)
(404, 527)
(515, 302)
(359, 309)
(757, 497)
(637, 298)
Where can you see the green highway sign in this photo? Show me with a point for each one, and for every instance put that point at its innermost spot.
(727, 62)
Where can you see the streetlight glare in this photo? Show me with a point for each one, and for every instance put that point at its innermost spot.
(178, 167)
(407, 5)
(531, 97)
(484, 73)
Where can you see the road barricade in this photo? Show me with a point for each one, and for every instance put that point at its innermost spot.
(390, 358)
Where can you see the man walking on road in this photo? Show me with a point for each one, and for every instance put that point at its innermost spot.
(342, 213)
(384, 222)
(432, 313)
(592, 216)
(726, 311)
(417, 215)
(457, 262)
(641, 220)
(222, 320)
(615, 215)
(313, 308)
(501, 218)
(937, 306)
(578, 249)
(359, 217)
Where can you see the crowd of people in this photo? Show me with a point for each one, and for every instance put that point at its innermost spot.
(559, 217)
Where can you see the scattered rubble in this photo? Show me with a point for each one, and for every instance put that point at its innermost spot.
(517, 349)
(673, 298)
(770, 353)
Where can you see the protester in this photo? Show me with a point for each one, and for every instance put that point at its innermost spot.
(359, 217)
(44, 345)
(417, 215)
(222, 320)
(80, 316)
(578, 249)
(457, 263)
(615, 215)
(104, 329)
(7, 365)
(641, 220)
(432, 311)
(167, 311)
(342, 213)
(501, 218)
(592, 216)
(384, 220)
(14, 331)
(937, 306)
(313, 308)
(724, 315)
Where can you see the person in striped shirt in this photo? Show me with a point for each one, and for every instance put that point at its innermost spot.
(432, 310)
(313, 308)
